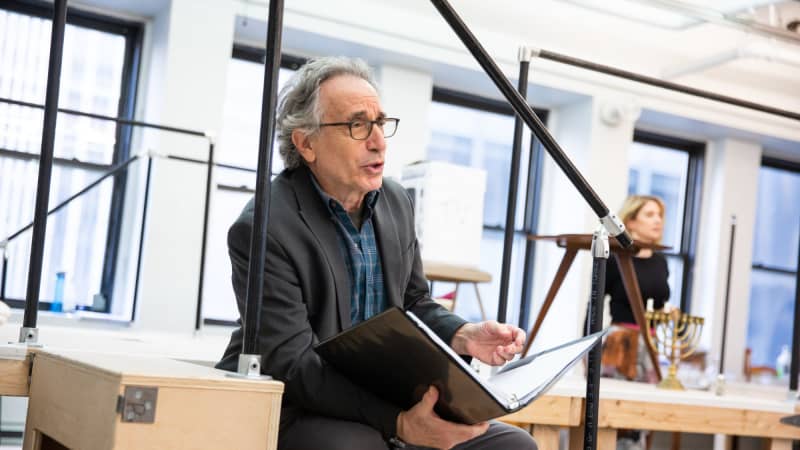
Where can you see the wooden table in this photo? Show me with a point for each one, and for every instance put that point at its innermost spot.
(450, 273)
(745, 411)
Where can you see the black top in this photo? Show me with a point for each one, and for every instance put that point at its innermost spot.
(652, 275)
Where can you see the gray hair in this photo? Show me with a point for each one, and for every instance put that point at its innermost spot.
(298, 103)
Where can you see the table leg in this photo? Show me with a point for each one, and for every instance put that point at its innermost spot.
(546, 437)
(780, 444)
(480, 303)
(607, 439)
(561, 274)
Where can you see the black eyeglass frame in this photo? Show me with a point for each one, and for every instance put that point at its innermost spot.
(370, 124)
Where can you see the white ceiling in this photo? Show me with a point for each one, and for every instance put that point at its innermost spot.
(564, 26)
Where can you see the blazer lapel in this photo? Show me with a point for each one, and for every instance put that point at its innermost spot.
(317, 217)
(391, 253)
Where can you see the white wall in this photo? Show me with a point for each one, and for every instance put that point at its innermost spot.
(731, 189)
(405, 93)
(192, 43)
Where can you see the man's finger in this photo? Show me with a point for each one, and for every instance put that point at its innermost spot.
(429, 399)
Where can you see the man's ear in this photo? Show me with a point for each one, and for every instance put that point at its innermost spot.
(302, 143)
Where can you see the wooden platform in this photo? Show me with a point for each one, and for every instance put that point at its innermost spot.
(89, 400)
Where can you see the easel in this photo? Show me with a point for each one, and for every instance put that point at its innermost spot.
(574, 242)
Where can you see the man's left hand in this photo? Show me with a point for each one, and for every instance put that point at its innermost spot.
(490, 341)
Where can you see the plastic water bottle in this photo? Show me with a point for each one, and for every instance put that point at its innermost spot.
(58, 296)
(782, 362)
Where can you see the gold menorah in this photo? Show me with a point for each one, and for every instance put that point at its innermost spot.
(676, 336)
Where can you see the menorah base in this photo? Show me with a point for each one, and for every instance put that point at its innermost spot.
(671, 382)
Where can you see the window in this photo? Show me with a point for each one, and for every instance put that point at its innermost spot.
(775, 246)
(670, 169)
(98, 76)
(478, 132)
(235, 176)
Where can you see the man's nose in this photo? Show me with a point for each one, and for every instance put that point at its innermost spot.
(376, 141)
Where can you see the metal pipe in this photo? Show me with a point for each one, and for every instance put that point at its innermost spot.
(600, 252)
(109, 118)
(522, 109)
(114, 170)
(145, 202)
(255, 279)
(45, 171)
(727, 296)
(209, 169)
(513, 183)
(552, 56)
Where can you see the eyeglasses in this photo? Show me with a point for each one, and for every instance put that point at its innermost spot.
(360, 129)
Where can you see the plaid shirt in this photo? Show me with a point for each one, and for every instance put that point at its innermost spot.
(360, 251)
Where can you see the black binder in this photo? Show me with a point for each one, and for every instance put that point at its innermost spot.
(396, 356)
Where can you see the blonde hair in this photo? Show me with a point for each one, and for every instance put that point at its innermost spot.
(634, 203)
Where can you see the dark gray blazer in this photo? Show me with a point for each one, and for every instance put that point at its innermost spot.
(307, 296)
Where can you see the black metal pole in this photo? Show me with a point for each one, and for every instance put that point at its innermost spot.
(523, 110)
(28, 331)
(794, 368)
(513, 183)
(532, 219)
(552, 56)
(727, 297)
(119, 120)
(4, 274)
(199, 313)
(600, 258)
(113, 171)
(249, 360)
(145, 202)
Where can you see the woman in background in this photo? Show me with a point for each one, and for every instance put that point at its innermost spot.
(625, 353)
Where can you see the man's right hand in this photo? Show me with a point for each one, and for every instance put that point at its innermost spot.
(421, 426)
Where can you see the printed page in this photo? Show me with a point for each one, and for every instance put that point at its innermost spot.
(540, 370)
(499, 394)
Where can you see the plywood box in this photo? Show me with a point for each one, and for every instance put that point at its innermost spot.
(77, 401)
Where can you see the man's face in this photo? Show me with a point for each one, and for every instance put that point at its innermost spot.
(347, 168)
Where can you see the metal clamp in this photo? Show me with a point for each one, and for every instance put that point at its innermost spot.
(138, 404)
(28, 335)
(249, 367)
(612, 224)
(600, 247)
(526, 53)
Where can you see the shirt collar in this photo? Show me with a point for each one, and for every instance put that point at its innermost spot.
(370, 200)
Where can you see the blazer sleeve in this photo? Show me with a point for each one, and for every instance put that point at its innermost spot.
(286, 342)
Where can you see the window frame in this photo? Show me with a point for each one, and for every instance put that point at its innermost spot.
(691, 206)
(533, 185)
(133, 33)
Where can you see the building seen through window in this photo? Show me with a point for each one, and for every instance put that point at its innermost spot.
(93, 73)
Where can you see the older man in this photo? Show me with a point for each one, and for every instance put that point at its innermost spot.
(341, 248)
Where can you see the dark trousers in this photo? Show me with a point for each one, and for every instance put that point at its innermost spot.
(323, 433)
